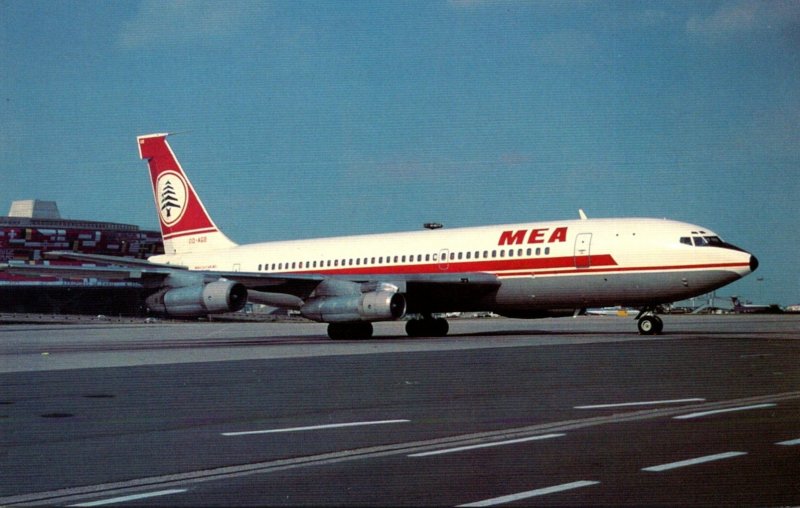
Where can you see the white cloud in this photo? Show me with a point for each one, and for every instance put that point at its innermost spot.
(737, 17)
(157, 22)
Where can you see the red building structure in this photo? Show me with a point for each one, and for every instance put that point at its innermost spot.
(35, 227)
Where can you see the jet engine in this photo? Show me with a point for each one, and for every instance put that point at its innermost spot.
(371, 306)
(199, 300)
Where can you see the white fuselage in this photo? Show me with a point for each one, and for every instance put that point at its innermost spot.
(547, 265)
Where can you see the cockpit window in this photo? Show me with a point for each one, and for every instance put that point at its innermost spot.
(707, 241)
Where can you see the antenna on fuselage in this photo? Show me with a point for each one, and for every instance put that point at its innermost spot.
(582, 214)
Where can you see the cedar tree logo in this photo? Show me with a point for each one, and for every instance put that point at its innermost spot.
(171, 196)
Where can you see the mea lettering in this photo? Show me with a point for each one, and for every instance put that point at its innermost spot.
(533, 236)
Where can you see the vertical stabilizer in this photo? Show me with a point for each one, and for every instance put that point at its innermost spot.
(185, 225)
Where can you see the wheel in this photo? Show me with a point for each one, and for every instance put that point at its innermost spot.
(439, 327)
(414, 328)
(649, 325)
(659, 325)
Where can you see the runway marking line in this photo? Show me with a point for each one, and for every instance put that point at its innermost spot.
(792, 442)
(531, 493)
(133, 497)
(486, 445)
(717, 411)
(313, 427)
(643, 403)
(692, 462)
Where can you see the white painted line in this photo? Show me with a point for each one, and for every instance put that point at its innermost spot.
(792, 442)
(314, 427)
(645, 403)
(692, 462)
(133, 497)
(531, 493)
(717, 411)
(486, 445)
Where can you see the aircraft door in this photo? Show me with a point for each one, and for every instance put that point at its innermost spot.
(444, 262)
(583, 245)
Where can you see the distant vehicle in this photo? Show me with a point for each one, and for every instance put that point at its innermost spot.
(531, 270)
(616, 310)
(749, 308)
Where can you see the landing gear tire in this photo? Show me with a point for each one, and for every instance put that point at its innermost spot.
(427, 327)
(359, 330)
(650, 325)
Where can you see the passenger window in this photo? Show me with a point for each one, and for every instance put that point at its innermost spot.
(502, 253)
(259, 267)
(494, 253)
(427, 257)
(460, 255)
(538, 251)
(546, 250)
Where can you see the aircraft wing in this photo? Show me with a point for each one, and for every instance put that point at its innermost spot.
(435, 292)
(424, 289)
(116, 273)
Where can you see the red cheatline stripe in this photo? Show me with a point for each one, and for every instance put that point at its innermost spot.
(492, 266)
(513, 267)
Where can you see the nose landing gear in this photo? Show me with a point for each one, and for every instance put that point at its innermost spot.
(649, 323)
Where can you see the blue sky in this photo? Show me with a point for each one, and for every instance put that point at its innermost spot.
(307, 119)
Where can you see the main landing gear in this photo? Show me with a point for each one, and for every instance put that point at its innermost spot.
(428, 326)
(357, 330)
(649, 323)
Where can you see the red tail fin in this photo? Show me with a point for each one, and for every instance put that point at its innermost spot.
(185, 224)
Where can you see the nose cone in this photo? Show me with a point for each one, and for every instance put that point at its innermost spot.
(753, 263)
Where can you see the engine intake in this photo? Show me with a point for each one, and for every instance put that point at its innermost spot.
(371, 306)
(197, 301)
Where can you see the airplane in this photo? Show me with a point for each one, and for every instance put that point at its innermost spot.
(750, 308)
(528, 270)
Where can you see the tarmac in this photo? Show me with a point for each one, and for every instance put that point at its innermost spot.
(571, 411)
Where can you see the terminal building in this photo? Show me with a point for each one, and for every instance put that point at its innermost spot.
(34, 227)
